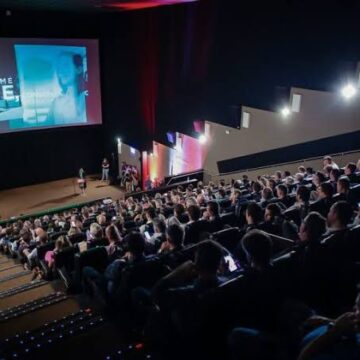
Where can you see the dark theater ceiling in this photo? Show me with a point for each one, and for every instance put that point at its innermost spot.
(86, 5)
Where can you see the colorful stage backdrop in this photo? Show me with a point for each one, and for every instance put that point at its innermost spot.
(186, 156)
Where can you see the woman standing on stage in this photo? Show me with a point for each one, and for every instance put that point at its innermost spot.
(105, 170)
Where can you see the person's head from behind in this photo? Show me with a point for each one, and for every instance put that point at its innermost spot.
(302, 194)
(253, 214)
(302, 169)
(101, 219)
(271, 183)
(112, 233)
(136, 244)
(312, 227)
(150, 213)
(41, 235)
(267, 194)
(179, 210)
(25, 235)
(213, 208)
(159, 226)
(281, 191)
(343, 185)
(96, 231)
(194, 212)
(350, 168)
(61, 243)
(340, 215)
(70, 71)
(235, 195)
(309, 170)
(175, 236)
(74, 230)
(272, 211)
(257, 186)
(325, 190)
(208, 259)
(286, 174)
(257, 246)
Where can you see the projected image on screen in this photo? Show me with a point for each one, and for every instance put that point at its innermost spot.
(48, 83)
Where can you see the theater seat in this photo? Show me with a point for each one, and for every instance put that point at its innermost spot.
(76, 238)
(228, 219)
(41, 251)
(280, 244)
(98, 242)
(228, 238)
(54, 236)
(96, 258)
(64, 264)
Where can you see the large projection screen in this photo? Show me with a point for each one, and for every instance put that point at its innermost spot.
(47, 83)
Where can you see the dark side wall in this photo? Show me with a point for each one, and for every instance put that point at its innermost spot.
(37, 156)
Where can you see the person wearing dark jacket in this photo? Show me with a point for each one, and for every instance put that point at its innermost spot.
(195, 227)
(212, 217)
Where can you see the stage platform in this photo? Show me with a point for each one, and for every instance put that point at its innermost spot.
(55, 194)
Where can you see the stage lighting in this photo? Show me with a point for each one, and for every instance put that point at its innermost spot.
(151, 154)
(348, 91)
(118, 140)
(202, 139)
(132, 151)
(285, 112)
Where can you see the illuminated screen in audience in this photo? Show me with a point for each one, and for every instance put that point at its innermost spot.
(48, 83)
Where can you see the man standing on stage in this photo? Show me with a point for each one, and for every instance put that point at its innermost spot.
(105, 170)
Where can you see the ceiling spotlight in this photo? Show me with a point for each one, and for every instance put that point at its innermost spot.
(285, 112)
(202, 139)
(348, 91)
(227, 132)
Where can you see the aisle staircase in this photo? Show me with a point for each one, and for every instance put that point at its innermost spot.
(39, 320)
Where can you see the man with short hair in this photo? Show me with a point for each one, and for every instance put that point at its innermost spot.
(303, 200)
(253, 215)
(339, 216)
(150, 214)
(256, 194)
(195, 227)
(174, 239)
(327, 160)
(267, 196)
(212, 216)
(325, 199)
(350, 172)
(282, 194)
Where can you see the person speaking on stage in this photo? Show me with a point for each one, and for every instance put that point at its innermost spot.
(105, 170)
